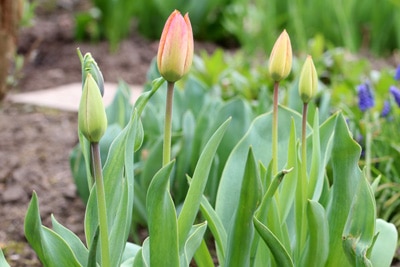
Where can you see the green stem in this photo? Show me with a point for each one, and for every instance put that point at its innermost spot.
(368, 142)
(302, 186)
(101, 204)
(275, 130)
(168, 124)
(304, 143)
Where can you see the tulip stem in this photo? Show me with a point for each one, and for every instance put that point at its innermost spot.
(101, 204)
(304, 143)
(275, 130)
(168, 124)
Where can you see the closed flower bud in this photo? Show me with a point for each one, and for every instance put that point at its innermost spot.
(92, 119)
(280, 61)
(175, 51)
(89, 65)
(308, 82)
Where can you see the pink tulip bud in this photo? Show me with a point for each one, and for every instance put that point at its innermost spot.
(175, 51)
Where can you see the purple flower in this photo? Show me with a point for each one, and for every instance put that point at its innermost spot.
(385, 109)
(365, 97)
(397, 74)
(396, 94)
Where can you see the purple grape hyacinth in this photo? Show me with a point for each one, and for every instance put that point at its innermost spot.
(365, 97)
(386, 109)
(397, 73)
(396, 94)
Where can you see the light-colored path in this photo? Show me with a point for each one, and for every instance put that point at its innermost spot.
(67, 97)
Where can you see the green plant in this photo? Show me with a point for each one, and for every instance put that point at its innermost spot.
(342, 24)
(107, 19)
(272, 207)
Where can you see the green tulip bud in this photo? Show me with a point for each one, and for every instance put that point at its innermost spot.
(280, 60)
(92, 119)
(89, 65)
(308, 80)
(175, 51)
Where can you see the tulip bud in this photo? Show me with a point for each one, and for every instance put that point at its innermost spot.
(92, 119)
(89, 65)
(308, 80)
(175, 51)
(280, 60)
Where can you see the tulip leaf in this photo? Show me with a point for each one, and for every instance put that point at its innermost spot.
(3, 261)
(385, 245)
(51, 249)
(79, 249)
(216, 228)
(318, 229)
(198, 183)
(241, 232)
(359, 229)
(193, 242)
(278, 251)
(346, 178)
(162, 220)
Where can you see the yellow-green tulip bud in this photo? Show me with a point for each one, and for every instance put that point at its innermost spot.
(175, 51)
(308, 82)
(89, 65)
(280, 60)
(92, 119)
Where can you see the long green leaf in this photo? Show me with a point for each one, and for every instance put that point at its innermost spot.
(162, 222)
(259, 137)
(79, 249)
(193, 242)
(241, 233)
(359, 231)
(318, 236)
(3, 261)
(279, 252)
(51, 249)
(346, 176)
(198, 183)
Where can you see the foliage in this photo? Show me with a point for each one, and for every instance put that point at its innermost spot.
(107, 19)
(342, 24)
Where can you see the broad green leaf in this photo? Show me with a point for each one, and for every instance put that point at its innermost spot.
(119, 110)
(359, 229)
(346, 177)
(241, 232)
(130, 252)
(279, 252)
(259, 137)
(79, 249)
(51, 249)
(198, 183)
(317, 247)
(385, 245)
(3, 261)
(162, 220)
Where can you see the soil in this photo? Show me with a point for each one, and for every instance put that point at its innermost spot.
(36, 142)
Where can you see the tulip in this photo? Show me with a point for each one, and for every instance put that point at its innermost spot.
(308, 80)
(280, 61)
(89, 65)
(175, 51)
(92, 119)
